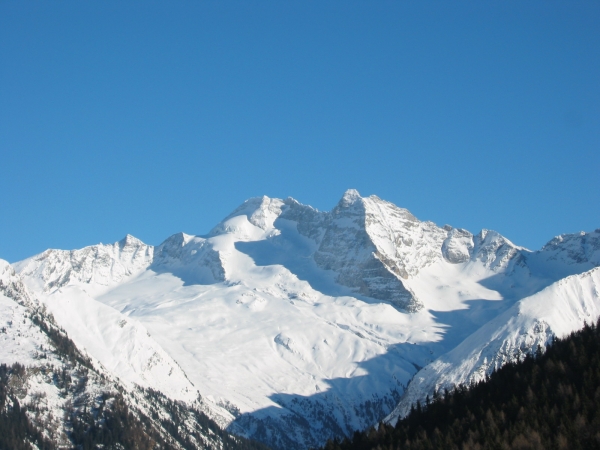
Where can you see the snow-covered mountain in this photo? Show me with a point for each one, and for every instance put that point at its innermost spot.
(98, 266)
(295, 325)
(65, 394)
(555, 311)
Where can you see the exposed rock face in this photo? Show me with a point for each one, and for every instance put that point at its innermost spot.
(494, 250)
(576, 248)
(348, 249)
(351, 241)
(310, 222)
(407, 244)
(458, 246)
(191, 257)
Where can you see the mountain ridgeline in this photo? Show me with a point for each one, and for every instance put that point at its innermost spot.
(286, 324)
(548, 400)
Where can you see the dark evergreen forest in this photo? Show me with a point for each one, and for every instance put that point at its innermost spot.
(546, 401)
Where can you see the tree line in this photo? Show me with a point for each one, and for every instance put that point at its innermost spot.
(548, 400)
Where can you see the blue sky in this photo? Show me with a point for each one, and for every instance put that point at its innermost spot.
(151, 118)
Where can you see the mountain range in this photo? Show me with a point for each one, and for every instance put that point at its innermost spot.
(290, 325)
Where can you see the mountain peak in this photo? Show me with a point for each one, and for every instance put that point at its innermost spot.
(350, 197)
(177, 240)
(251, 219)
(130, 240)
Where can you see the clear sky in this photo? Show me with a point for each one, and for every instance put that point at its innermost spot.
(151, 118)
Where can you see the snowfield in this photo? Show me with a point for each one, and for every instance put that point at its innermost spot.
(559, 309)
(296, 325)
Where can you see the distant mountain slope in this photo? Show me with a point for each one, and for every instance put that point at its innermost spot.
(556, 311)
(99, 265)
(293, 324)
(54, 396)
(547, 400)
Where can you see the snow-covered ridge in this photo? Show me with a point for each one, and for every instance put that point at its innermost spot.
(557, 310)
(294, 321)
(360, 235)
(261, 212)
(100, 265)
(575, 248)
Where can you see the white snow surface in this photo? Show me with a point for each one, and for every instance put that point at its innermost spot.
(557, 310)
(288, 315)
(53, 385)
(14, 322)
(124, 347)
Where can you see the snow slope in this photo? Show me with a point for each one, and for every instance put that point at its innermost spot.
(56, 384)
(558, 310)
(15, 322)
(294, 324)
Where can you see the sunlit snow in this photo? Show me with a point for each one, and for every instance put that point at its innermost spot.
(284, 311)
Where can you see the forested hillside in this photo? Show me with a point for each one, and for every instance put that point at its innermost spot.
(547, 401)
(108, 424)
